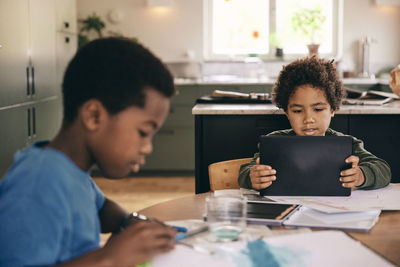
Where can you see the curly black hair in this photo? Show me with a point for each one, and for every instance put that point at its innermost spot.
(318, 72)
(115, 71)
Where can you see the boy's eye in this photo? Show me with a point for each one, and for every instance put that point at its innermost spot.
(143, 133)
(296, 110)
(319, 109)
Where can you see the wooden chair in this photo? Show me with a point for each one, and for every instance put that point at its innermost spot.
(224, 174)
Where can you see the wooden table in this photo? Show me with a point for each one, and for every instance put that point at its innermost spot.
(384, 237)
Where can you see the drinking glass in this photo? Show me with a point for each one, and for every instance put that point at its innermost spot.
(226, 216)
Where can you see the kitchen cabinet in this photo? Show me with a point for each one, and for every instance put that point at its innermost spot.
(14, 59)
(173, 145)
(13, 135)
(33, 56)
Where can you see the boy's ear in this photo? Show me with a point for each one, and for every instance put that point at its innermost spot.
(92, 114)
(332, 113)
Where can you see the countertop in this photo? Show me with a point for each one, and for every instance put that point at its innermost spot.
(259, 109)
(230, 79)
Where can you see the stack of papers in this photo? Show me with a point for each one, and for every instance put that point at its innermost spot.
(387, 198)
(350, 221)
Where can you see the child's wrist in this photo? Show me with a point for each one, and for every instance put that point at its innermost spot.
(134, 216)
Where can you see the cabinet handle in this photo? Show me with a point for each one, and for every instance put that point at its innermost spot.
(28, 89)
(33, 80)
(29, 123)
(34, 122)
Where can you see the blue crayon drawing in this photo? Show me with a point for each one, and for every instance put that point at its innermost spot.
(258, 253)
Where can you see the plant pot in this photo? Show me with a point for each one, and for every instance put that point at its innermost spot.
(313, 49)
(279, 52)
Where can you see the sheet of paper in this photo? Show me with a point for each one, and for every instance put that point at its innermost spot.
(323, 248)
(387, 198)
(354, 221)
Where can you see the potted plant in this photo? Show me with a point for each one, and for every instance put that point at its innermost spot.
(308, 23)
(276, 41)
(92, 22)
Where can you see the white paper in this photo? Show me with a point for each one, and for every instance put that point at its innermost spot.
(355, 221)
(323, 248)
(387, 198)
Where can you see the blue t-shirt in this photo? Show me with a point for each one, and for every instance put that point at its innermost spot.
(48, 209)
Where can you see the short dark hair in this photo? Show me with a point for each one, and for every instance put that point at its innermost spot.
(115, 71)
(318, 72)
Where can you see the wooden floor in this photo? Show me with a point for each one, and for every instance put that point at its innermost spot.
(137, 193)
(140, 192)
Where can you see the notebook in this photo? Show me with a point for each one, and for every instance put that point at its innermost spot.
(306, 165)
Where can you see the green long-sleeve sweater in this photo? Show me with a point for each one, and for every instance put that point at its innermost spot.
(376, 171)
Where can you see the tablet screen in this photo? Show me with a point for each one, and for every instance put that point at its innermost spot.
(269, 211)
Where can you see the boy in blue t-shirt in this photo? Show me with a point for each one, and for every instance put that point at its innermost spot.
(116, 95)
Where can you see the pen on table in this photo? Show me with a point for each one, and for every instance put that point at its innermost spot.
(190, 233)
(141, 217)
(180, 229)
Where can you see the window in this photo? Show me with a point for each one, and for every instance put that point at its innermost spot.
(239, 28)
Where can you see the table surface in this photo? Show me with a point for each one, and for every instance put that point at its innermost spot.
(384, 237)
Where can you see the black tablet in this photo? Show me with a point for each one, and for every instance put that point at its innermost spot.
(269, 213)
(306, 165)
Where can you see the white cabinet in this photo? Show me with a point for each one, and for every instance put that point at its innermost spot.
(14, 59)
(33, 56)
(43, 48)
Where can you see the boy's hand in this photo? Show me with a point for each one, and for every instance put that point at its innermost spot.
(139, 242)
(261, 176)
(354, 176)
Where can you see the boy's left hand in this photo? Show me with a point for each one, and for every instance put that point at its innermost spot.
(352, 177)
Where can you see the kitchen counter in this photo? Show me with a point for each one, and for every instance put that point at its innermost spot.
(259, 109)
(231, 79)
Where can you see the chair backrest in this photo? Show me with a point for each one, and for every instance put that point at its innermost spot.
(224, 174)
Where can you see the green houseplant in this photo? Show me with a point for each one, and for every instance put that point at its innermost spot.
(91, 23)
(276, 41)
(308, 23)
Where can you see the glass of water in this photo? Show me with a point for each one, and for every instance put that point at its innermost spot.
(226, 216)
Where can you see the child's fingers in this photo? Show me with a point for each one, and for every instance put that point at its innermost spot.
(266, 179)
(348, 181)
(261, 167)
(348, 172)
(262, 182)
(266, 173)
(261, 186)
(353, 160)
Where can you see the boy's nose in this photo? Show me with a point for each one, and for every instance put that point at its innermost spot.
(308, 118)
(147, 148)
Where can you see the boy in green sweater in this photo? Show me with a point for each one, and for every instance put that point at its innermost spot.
(310, 91)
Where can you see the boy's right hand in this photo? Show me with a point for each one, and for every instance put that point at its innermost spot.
(139, 242)
(261, 176)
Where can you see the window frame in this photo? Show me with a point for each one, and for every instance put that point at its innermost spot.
(208, 55)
